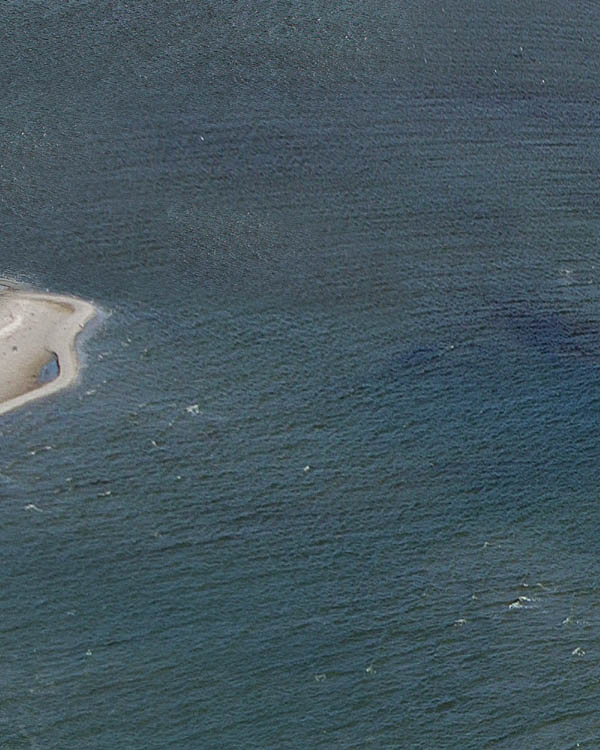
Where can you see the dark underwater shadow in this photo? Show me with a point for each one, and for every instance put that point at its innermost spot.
(547, 331)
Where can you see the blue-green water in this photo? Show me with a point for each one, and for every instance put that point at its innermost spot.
(341, 410)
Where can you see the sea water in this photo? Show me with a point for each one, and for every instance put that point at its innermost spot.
(330, 476)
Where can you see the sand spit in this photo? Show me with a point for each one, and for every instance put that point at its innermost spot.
(36, 329)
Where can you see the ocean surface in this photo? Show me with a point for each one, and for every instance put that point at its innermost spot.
(331, 476)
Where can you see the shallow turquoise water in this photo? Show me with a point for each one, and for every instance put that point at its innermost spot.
(340, 412)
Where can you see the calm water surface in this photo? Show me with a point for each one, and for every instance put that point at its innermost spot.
(330, 478)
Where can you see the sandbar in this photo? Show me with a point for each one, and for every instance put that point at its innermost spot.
(36, 329)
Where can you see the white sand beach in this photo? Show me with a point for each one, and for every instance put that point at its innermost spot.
(35, 329)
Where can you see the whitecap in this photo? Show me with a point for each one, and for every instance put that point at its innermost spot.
(519, 602)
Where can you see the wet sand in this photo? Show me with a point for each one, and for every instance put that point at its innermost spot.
(35, 329)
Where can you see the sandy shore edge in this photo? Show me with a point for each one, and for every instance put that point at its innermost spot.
(35, 326)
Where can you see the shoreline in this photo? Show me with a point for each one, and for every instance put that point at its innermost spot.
(35, 329)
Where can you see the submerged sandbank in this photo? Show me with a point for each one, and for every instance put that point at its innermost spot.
(36, 329)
